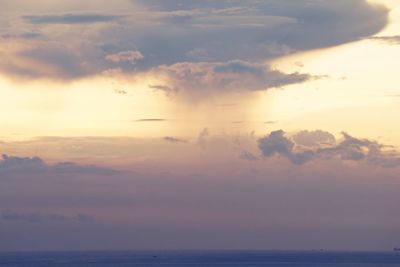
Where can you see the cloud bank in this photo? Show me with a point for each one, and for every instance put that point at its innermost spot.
(210, 193)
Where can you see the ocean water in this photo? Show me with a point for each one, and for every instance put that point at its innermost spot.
(198, 258)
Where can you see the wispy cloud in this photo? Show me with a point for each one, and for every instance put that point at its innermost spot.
(247, 155)
(175, 140)
(151, 120)
(395, 39)
(70, 18)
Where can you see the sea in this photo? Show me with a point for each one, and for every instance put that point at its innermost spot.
(199, 258)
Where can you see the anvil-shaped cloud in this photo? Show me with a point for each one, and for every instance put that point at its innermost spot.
(192, 38)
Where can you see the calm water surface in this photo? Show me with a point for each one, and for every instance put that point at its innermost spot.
(198, 258)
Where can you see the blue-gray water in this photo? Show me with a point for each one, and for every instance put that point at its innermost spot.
(198, 258)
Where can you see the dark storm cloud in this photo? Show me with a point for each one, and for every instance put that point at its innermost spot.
(27, 165)
(171, 35)
(233, 75)
(70, 18)
(307, 146)
(318, 22)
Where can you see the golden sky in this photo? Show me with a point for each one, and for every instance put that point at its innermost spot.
(353, 92)
(349, 86)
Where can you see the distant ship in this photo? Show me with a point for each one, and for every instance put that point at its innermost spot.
(396, 249)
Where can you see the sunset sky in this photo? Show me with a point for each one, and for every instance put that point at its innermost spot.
(188, 124)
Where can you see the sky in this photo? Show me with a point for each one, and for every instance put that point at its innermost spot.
(172, 124)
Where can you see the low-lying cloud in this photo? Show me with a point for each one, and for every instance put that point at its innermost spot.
(43, 217)
(28, 165)
(175, 140)
(308, 146)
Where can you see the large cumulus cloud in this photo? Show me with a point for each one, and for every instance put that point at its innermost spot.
(166, 35)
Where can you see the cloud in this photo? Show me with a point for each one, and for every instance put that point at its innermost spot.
(74, 168)
(307, 146)
(387, 39)
(45, 58)
(203, 136)
(316, 138)
(26, 35)
(309, 22)
(120, 92)
(233, 75)
(70, 18)
(131, 56)
(164, 88)
(39, 217)
(17, 164)
(217, 190)
(173, 35)
(174, 140)
(29, 165)
(276, 143)
(246, 155)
